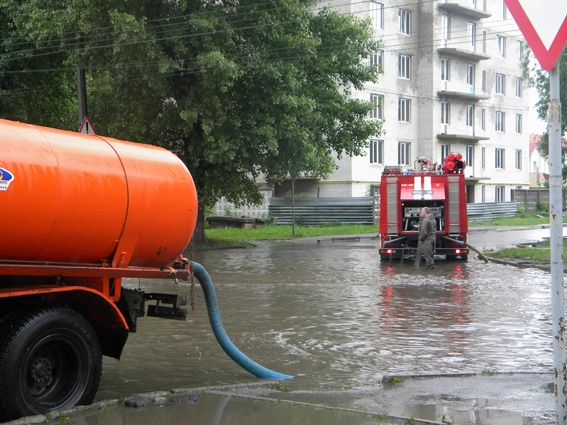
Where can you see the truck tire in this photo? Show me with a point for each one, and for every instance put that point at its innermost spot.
(50, 360)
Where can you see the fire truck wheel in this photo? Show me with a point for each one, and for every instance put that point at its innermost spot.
(49, 360)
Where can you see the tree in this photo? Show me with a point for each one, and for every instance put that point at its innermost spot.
(539, 79)
(28, 92)
(235, 88)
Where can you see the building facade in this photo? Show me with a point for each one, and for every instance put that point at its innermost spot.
(451, 83)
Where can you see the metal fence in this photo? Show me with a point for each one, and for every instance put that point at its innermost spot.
(491, 210)
(314, 211)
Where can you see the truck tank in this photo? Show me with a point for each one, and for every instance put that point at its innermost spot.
(72, 198)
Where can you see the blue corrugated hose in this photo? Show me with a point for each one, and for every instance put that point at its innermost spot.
(214, 317)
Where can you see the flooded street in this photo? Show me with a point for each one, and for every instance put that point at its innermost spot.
(340, 320)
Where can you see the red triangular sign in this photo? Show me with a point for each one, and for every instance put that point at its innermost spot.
(87, 127)
(544, 26)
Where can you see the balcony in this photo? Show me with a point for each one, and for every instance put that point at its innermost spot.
(462, 53)
(469, 12)
(464, 138)
(463, 95)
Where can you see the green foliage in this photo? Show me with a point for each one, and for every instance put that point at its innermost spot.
(539, 79)
(522, 212)
(235, 88)
(227, 211)
(280, 387)
(62, 417)
(393, 379)
(543, 208)
(540, 255)
(281, 232)
(35, 85)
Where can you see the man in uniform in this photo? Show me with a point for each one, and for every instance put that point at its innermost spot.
(426, 239)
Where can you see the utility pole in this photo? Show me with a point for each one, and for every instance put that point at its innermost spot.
(556, 246)
(81, 93)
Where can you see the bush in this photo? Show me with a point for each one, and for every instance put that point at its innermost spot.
(542, 208)
(522, 212)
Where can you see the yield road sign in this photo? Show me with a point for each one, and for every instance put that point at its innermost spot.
(544, 26)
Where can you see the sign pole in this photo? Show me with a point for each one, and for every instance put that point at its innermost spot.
(556, 247)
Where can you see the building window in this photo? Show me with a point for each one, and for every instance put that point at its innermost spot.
(499, 193)
(518, 126)
(504, 9)
(404, 153)
(445, 112)
(500, 116)
(469, 155)
(519, 50)
(471, 34)
(446, 26)
(377, 101)
(518, 87)
(404, 21)
(483, 119)
(377, 14)
(470, 75)
(376, 151)
(404, 66)
(404, 106)
(483, 194)
(377, 60)
(501, 41)
(500, 83)
(445, 69)
(484, 42)
(499, 158)
(483, 81)
(518, 159)
(444, 151)
(483, 157)
(469, 116)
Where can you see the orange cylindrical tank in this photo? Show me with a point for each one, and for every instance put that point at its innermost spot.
(68, 197)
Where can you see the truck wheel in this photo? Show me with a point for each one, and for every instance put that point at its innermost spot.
(49, 360)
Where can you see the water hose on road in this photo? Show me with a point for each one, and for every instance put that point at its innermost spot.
(484, 257)
(218, 329)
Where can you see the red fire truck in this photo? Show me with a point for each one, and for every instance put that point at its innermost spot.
(403, 193)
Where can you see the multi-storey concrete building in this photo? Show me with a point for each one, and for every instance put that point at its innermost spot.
(451, 82)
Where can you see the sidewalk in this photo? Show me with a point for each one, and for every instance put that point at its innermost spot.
(486, 399)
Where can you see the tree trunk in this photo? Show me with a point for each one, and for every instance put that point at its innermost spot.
(199, 234)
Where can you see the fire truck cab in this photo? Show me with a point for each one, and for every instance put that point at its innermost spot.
(403, 193)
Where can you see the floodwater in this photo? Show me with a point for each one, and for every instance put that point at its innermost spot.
(339, 320)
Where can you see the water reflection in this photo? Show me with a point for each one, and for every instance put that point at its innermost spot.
(339, 319)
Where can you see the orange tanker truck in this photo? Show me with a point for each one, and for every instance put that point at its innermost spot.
(403, 193)
(78, 214)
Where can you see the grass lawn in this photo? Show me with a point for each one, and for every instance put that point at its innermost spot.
(232, 236)
(283, 232)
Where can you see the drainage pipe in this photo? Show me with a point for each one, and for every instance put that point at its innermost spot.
(484, 257)
(218, 329)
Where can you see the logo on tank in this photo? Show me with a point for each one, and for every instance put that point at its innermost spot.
(5, 178)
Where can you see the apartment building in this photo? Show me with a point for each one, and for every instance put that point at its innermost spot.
(451, 82)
